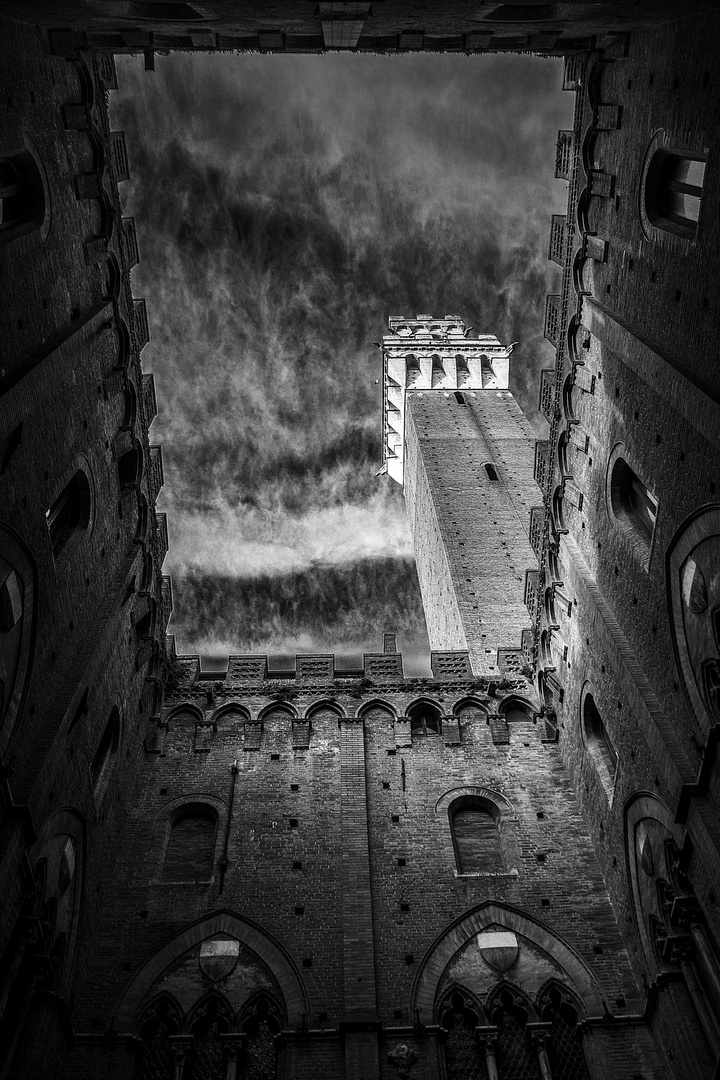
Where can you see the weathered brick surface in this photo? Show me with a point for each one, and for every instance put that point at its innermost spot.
(340, 882)
(641, 338)
(367, 820)
(470, 532)
(67, 404)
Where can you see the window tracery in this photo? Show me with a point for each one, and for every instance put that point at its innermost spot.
(463, 1059)
(564, 1048)
(157, 1060)
(260, 1029)
(515, 1056)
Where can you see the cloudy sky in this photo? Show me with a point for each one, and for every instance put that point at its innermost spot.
(285, 207)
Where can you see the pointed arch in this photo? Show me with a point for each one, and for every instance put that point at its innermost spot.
(560, 1008)
(459, 1014)
(160, 1021)
(513, 705)
(249, 934)
(230, 708)
(196, 714)
(325, 703)
(280, 707)
(213, 1003)
(511, 1011)
(470, 702)
(260, 1023)
(376, 703)
(491, 913)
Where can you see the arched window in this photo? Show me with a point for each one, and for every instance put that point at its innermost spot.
(102, 764)
(673, 189)
(491, 471)
(462, 1057)
(516, 711)
(130, 468)
(208, 1059)
(633, 505)
(424, 719)
(261, 1028)
(564, 1050)
(22, 200)
(69, 516)
(598, 743)
(157, 1061)
(515, 1056)
(190, 853)
(475, 835)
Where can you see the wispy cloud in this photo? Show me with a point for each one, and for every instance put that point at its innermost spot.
(285, 206)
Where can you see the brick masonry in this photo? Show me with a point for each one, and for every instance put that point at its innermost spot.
(334, 870)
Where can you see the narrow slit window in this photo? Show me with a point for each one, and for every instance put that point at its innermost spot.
(599, 744)
(105, 755)
(491, 471)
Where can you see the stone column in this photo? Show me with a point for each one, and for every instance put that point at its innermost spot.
(487, 1039)
(233, 1041)
(182, 1046)
(539, 1034)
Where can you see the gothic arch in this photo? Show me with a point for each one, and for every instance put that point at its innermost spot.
(243, 930)
(256, 1001)
(515, 703)
(520, 998)
(325, 703)
(278, 706)
(469, 702)
(422, 700)
(230, 708)
(376, 703)
(212, 999)
(162, 1003)
(430, 971)
(186, 707)
(569, 410)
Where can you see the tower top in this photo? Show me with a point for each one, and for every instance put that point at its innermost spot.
(428, 354)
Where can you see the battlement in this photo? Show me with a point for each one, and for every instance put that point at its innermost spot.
(425, 353)
(317, 669)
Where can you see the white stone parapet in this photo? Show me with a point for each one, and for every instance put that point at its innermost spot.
(435, 355)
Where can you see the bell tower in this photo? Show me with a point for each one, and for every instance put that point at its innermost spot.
(459, 444)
